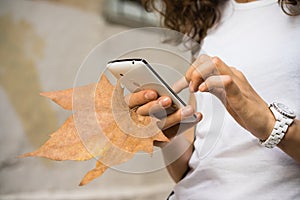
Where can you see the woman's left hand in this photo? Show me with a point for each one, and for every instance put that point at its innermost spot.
(211, 74)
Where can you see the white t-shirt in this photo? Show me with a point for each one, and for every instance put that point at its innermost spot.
(228, 162)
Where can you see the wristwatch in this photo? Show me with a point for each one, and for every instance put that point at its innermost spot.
(284, 118)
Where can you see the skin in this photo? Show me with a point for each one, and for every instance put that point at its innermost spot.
(211, 74)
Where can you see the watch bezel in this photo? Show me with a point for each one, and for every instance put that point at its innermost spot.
(280, 107)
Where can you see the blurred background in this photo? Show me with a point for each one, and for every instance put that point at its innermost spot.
(42, 45)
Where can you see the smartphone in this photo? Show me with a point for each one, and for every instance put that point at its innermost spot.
(137, 74)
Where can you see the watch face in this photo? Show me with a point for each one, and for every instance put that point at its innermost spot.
(283, 109)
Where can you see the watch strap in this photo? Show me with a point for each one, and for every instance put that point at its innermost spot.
(280, 128)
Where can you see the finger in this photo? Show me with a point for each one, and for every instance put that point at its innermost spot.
(203, 71)
(203, 58)
(221, 67)
(140, 98)
(155, 107)
(220, 82)
(178, 129)
(178, 116)
(181, 84)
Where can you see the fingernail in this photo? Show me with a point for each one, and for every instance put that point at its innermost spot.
(150, 95)
(202, 87)
(199, 116)
(163, 102)
(187, 111)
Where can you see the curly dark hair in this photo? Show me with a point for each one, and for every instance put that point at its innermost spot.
(195, 17)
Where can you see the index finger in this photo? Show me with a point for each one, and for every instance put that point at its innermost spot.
(179, 85)
(140, 98)
(183, 82)
(201, 59)
(222, 68)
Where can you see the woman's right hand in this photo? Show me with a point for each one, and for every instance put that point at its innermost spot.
(149, 103)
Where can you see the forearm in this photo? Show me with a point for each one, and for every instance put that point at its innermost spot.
(291, 141)
(179, 167)
(177, 154)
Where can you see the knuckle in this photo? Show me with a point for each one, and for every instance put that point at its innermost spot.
(196, 75)
(220, 66)
(151, 90)
(188, 77)
(189, 73)
(217, 60)
(203, 57)
(228, 81)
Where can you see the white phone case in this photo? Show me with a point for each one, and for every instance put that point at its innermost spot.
(137, 74)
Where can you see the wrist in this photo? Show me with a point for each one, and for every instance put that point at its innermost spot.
(291, 134)
(270, 123)
(175, 148)
(284, 117)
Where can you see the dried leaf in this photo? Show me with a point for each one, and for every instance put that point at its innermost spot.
(102, 126)
(94, 173)
(82, 97)
(64, 144)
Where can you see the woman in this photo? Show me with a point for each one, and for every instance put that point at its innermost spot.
(256, 154)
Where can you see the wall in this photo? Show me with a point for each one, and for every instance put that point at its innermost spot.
(42, 45)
